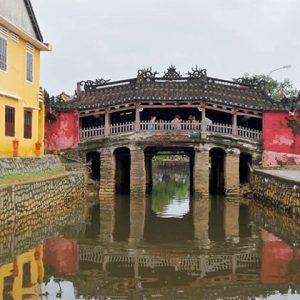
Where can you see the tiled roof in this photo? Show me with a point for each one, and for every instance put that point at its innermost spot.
(171, 89)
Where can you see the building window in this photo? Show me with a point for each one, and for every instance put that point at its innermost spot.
(29, 66)
(3, 54)
(27, 124)
(9, 121)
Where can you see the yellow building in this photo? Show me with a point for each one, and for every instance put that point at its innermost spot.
(21, 98)
(21, 279)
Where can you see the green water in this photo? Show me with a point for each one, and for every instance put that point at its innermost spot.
(167, 245)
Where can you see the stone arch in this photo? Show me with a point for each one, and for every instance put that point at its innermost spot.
(244, 168)
(93, 161)
(217, 170)
(122, 169)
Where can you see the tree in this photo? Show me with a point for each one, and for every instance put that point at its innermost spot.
(278, 90)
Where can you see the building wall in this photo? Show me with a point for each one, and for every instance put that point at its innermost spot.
(16, 12)
(62, 133)
(62, 255)
(17, 92)
(281, 139)
(15, 271)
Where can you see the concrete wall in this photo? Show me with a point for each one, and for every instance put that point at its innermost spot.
(279, 193)
(62, 133)
(21, 165)
(281, 139)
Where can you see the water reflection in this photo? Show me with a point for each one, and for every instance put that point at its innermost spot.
(170, 195)
(219, 249)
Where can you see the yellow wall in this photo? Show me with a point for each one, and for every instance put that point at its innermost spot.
(13, 82)
(35, 257)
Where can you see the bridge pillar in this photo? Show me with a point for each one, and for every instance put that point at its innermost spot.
(107, 175)
(200, 219)
(232, 171)
(107, 221)
(137, 171)
(137, 219)
(201, 171)
(231, 219)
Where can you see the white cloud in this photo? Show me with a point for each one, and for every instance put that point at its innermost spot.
(113, 39)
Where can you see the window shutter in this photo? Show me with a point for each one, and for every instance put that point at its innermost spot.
(29, 67)
(3, 54)
(9, 121)
(27, 124)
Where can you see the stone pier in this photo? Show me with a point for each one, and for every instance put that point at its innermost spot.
(107, 175)
(201, 171)
(232, 173)
(231, 219)
(137, 171)
(200, 219)
(107, 221)
(137, 219)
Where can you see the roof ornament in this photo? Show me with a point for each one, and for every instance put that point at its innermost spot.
(172, 74)
(253, 81)
(147, 74)
(92, 85)
(197, 73)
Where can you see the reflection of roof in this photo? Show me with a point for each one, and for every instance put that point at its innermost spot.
(172, 87)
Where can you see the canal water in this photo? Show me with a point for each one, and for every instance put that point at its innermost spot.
(168, 245)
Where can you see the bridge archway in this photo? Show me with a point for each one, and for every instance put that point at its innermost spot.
(123, 162)
(93, 160)
(216, 174)
(151, 152)
(245, 162)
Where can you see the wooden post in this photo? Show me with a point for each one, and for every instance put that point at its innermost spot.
(203, 122)
(137, 118)
(107, 123)
(234, 123)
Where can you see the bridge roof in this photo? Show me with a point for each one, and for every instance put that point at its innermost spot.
(173, 88)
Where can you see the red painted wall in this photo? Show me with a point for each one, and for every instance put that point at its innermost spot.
(280, 262)
(62, 133)
(62, 255)
(281, 145)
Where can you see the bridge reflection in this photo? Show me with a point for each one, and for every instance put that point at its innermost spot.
(100, 259)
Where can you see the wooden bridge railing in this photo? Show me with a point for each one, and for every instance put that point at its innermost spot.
(202, 263)
(91, 133)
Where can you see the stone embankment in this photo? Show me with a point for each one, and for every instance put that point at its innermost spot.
(31, 207)
(277, 190)
(22, 165)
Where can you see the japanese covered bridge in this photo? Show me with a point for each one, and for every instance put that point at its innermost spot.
(123, 124)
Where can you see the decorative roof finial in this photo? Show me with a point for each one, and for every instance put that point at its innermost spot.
(172, 74)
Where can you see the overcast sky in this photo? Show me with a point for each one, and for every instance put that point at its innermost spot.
(113, 39)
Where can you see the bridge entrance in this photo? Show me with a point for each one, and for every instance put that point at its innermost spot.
(216, 174)
(177, 158)
(245, 164)
(122, 172)
(93, 161)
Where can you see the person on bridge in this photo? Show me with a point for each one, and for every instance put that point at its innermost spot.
(151, 125)
(176, 122)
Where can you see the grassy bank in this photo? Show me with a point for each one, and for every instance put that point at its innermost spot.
(32, 176)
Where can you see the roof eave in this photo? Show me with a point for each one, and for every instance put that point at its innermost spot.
(36, 43)
(33, 20)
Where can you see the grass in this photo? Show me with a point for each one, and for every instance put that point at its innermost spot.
(32, 176)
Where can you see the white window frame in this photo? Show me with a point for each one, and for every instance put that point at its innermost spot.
(6, 57)
(28, 79)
